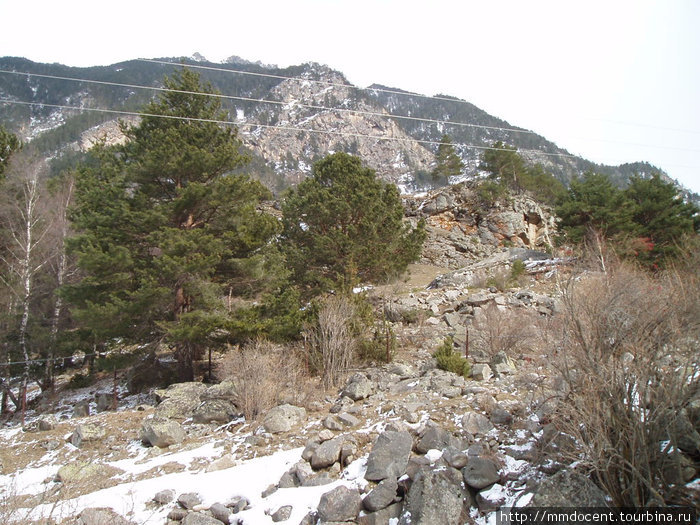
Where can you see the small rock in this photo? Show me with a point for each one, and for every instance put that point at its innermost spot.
(81, 409)
(500, 416)
(224, 462)
(282, 514)
(268, 491)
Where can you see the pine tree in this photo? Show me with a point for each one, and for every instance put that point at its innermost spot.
(342, 226)
(448, 162)
(9, 144)
(594, 202)
(662, 216)
(165, 230)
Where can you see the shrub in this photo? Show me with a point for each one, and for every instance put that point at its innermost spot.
(333, 339)
(630, 369)
(80, 381)
(261, 372)
(448, 359)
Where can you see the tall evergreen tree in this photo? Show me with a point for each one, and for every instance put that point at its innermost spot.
(165, 230)
(662, 216)
(342, 226)
(448, 163)
(594, 202)
(9, 144)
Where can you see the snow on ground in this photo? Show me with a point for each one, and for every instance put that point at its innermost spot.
(248, 480)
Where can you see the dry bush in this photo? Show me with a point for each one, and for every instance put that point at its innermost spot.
(333, 340)
(262, 373)
(627, 352)
(510, 331)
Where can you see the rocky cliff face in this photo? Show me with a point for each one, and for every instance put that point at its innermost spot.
(462, 229)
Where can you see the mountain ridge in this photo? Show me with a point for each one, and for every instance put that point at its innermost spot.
(395, 131)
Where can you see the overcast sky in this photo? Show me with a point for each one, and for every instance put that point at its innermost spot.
(613, 80)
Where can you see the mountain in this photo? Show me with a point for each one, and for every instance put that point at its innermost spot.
(288, 117)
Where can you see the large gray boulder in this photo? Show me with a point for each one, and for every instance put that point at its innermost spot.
(179, 401)
(480, 472)
(87, 433)
(161, 433)
(436, 496)
(283, 418)
(340, 504)
(568, 489)
(196, 518)
(475, 423)
(327, 453)
(381, 496)
(359, 387)
(101, 516)
(389, 456)
(214, 411)
(436, 437)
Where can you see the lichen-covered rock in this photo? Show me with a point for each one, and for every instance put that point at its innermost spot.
(568, 489)
(389, 456)
(340, 504)
(161, 433)
(283, 418)
(86, 433)
(436, 496)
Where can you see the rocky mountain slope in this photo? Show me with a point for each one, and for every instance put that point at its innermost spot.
(398, 443)
(286, 123)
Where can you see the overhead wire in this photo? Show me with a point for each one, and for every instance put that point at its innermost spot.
(270, 126)
(267, 101)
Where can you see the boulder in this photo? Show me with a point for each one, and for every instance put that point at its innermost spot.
(196, 518)
(480, 472)
(436, 437)
(327, 453)
(475, 423)
(161, 433)
(179, 401)
(282, 418)
(568, 489)
(78, 471)
(164, 497)
(359, 387)
(381, 496)
(215, 411)
(340, 504)
(101, 516)
(481, 372)
(104, 401)
(502, 364)
(436, 496)
(282, 514)
(86, 433)
(189, 500)
(389, 456)
(81, 409)
(381, 517)
(220, 512)
(491, 499)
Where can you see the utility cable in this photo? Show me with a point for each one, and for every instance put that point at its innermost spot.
(272, 126)
(267, 101)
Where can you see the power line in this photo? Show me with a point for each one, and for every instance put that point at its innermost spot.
(323, 82)
(267, 101)
(272, 126)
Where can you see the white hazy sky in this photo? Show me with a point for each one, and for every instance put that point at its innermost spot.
(613, 80)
